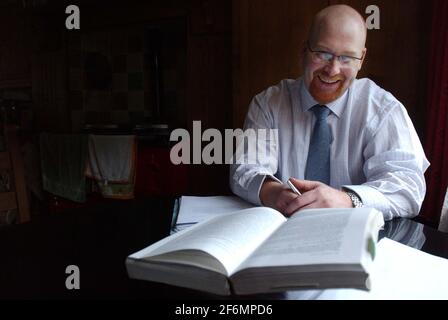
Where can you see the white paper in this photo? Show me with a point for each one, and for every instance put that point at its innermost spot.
(197, 209)
(399, 272)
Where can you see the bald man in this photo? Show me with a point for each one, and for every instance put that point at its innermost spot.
(342, 141)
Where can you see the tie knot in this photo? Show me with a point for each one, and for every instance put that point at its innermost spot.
(321, 112)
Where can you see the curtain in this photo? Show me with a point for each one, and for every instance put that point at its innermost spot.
(436, 143)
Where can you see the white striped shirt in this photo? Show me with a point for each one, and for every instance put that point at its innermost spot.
(375, 151)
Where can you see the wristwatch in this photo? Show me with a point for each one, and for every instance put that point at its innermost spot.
(356, 200)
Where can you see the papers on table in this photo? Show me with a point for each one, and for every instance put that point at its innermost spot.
(192, 210)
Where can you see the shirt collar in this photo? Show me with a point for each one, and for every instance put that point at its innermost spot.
(307, 101)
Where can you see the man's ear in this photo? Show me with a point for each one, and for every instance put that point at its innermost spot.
(364, 53)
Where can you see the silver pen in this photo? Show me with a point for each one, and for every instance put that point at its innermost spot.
(293, 188)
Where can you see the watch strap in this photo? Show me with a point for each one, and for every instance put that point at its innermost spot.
(356, 200)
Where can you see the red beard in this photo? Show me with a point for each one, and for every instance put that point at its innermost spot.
(325, 93)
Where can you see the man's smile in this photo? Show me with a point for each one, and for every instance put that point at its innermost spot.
(328, 81)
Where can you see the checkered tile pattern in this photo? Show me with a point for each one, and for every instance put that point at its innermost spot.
(127, 99)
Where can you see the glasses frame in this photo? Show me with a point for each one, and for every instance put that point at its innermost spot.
(334, 56)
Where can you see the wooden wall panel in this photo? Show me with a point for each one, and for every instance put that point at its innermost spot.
(267, 40)
(15, 48)
(209, 81)
(209, 84)
(397, 53)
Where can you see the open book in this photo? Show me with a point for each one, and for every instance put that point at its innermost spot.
(258, 250)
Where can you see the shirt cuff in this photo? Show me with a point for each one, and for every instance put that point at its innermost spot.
(372, 198)
(255, 187)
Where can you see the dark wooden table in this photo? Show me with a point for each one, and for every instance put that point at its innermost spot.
(34, 255)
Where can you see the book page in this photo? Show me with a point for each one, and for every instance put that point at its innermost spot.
(316, 236)
(229, 238)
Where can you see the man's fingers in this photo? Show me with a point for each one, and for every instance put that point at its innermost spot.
(285, 198)
(305, 185)
(299, 202)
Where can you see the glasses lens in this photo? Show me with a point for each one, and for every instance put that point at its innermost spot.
(325, 56)
(345, 59)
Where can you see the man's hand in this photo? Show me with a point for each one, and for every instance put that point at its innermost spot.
(316, 195)
(276, 195)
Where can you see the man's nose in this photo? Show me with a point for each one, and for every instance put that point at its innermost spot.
(333, 67)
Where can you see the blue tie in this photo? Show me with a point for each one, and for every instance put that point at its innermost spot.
(318, 162)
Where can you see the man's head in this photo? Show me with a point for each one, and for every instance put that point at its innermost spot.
(341, 31)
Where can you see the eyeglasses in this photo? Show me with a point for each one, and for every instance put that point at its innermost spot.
(324, 56)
